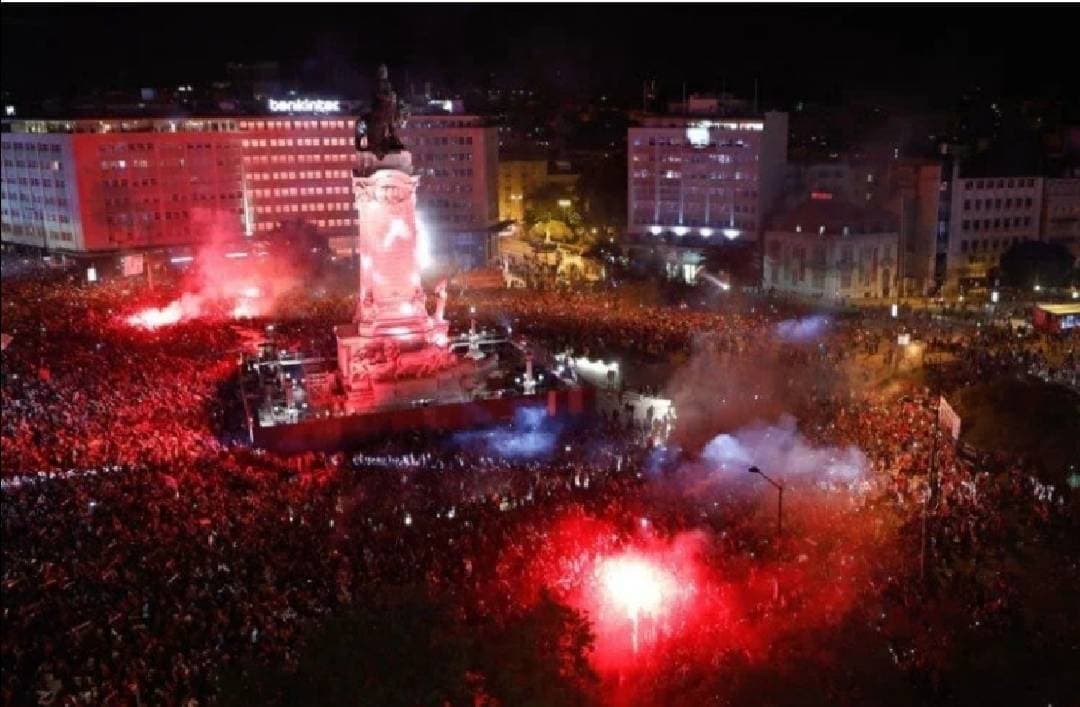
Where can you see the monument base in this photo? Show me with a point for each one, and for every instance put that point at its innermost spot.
(344, 432)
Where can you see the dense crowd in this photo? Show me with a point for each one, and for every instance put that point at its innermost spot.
(147, 553)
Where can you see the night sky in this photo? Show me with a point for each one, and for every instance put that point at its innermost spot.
(796, 52)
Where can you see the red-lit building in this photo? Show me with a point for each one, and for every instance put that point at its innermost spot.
(93, 186)
(110, 186)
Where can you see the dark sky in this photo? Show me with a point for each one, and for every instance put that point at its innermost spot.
(796, 52)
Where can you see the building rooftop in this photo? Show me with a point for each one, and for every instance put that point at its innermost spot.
(834, 215)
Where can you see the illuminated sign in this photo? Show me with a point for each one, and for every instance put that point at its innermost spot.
(303, 105)
(698, 135)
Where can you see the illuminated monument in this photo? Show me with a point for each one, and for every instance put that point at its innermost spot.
(396, 368)
(394, 352)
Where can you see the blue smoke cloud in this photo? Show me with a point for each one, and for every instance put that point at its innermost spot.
(527, 438)
(803, 329)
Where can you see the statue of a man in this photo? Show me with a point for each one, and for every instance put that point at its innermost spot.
(378, 133)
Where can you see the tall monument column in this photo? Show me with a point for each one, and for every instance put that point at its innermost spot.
(393, 350)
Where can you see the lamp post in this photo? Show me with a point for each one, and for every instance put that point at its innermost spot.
(779, 501)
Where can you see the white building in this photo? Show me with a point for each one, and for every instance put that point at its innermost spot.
(457, 160)
(1061, 213)
(989, 215)
(704, 176)
(829, 249)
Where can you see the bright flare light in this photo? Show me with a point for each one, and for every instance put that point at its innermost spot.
(154, 317)
(635, 585)
(243, 310)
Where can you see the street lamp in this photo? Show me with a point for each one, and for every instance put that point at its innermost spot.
(779, 501)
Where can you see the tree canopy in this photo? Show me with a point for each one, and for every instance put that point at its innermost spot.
(1031, 263)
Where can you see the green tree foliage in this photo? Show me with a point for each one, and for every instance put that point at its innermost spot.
(542, 206)
(406, 648)
(540, 658)
(1033, 262)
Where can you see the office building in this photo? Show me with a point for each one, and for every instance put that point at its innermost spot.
(704, 175)
(989, 215)
(120, 184)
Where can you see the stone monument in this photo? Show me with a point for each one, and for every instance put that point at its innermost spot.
(393, 353)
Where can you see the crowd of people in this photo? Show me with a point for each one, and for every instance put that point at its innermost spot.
(148, 553)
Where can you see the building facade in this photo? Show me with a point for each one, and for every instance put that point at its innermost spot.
(457, 160)
(831, 250)
(700, 175)
(1061, 213)
(99, 186)
(517, 179)
(989, 215)
(110, 185)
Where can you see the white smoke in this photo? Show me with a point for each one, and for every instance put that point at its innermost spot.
(781, 451)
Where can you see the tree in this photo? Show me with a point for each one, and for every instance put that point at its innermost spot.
(1031, 263)
(540, 658)
(401, 648)
(553, 204)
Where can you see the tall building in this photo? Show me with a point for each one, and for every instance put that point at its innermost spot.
(911, 189)
(989, 214)
(298, 169)
(517, 179)
(520, 178)
(915, 193)
(705, 175)
(832, 250)
(1061, 213)
(115, 184)
(457, 160)
(110, 185)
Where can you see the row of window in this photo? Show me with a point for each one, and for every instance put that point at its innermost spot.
(300, 191)
(987, 224)
(44, 183)
(294, 124)
(36, 231)
(32, 214)
(321, 223)
(18, 146)
(444, 157)
(989, 244)
(295, 159)
(110, 148)
(443, 140)
(36, 199)
(146, 199)
(51, 165)
(281, 176)
(124, 219)
(700, 176)
(303, 208)
(443, 172)
(999, 184)
(676, 142)
(1008, 203)
(297, 142)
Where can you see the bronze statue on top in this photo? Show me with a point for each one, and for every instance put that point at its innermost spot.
(377, 133)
